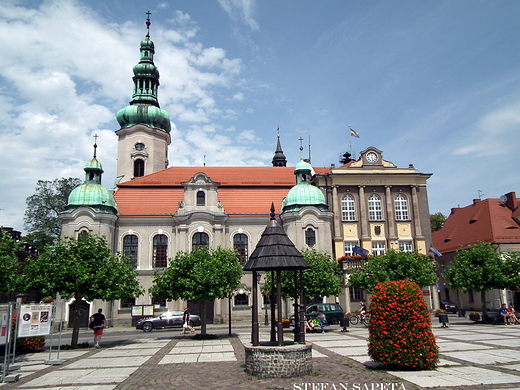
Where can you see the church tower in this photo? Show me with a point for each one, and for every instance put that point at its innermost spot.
(144, 135)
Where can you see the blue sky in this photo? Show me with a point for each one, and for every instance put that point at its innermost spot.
(430, 83)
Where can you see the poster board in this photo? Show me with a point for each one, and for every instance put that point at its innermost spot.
(35, 320)
(4, 323)
(142, 310)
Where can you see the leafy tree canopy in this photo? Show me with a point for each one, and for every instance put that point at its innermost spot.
(9, 263)
(41, 215)
(82, 268)
(323, 279)
(394, 265)
(437, 221)
(202, 274)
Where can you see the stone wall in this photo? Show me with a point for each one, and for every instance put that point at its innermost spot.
(279, 362)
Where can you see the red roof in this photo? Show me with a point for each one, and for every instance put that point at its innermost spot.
(242, 190)
(489, 220)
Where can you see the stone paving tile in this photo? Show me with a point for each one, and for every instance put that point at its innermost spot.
(115, 352)
(217, 357)
(97, 362)
(472, 337)
(459, 346)
(179, 358)
(85, 376)
(510, 342)
(92, 387)
(341, 343)
(491, 356)
(350, 351)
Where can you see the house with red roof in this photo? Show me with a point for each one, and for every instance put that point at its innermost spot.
(494, 221)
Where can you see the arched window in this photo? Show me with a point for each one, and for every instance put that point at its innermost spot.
(401, 208)
(375, 212)
(241, 300)
(348, 208)
(310, 237)
(240, 246)
(201, 198)
(138, 168)
(200, 239)
(160, 251)
(130, 247)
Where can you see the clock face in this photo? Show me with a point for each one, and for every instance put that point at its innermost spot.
(372, 157)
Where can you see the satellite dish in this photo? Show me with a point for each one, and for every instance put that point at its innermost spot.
(503, 199)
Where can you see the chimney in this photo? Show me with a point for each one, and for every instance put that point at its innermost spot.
(511, 201)
(475, 201)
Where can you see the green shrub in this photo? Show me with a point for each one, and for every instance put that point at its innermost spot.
(400, 327)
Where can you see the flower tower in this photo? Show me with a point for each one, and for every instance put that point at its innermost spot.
(400, 327)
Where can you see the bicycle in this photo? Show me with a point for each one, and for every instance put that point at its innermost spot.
(363, 318)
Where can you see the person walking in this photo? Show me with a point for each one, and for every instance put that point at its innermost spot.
(98, 321)
(186, 322)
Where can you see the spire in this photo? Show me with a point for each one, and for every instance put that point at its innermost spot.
(279, 159)
(144, 107)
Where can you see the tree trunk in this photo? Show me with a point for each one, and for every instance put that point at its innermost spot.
(203, 316)
(483, 300)
(77, 316)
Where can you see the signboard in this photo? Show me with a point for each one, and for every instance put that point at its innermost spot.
(35, 320)
(142, 310)
(4, 323)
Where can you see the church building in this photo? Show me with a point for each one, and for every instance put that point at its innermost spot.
(157, 210)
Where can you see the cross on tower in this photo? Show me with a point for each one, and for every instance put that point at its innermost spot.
(95, 144)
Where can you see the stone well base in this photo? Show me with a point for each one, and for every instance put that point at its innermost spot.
(279, 362)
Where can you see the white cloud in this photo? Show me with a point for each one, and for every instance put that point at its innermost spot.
(241, 10)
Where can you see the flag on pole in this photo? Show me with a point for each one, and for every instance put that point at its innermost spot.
(353, 133)
(434, 251)
(360, 251)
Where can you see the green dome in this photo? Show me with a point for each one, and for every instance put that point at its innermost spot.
(91, 195)
(144, 114)
(303, 193)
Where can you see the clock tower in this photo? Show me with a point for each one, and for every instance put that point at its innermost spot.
(144, 135)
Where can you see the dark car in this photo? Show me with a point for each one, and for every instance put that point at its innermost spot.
(449, 306)
(169, 319)
(333, 312)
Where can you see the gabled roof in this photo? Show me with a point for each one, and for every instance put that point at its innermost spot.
(489, 220)
(243, 190)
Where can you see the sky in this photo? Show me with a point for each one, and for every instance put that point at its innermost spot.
(435, 84)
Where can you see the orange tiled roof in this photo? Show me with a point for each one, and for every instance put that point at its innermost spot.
(487, 220)
(242, 190)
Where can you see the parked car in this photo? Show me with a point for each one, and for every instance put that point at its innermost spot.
(333, 312)
(169, 319)
(450, 306)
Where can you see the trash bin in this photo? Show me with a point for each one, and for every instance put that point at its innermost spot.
(344, 323)
(443, 319)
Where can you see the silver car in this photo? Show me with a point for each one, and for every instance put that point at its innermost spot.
(169, 319)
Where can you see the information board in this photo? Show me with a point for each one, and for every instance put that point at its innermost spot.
(4, 323)
(142, 310)
(36, 320)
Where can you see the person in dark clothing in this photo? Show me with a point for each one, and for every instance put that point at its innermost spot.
(98, 320)
(186, 322)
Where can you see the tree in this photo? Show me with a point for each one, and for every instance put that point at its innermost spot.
(82, 268)
(437, 221)
(203, 274)
(41, 216)
(479, 267)
(323, 279)
(9, 263)
(394, 265)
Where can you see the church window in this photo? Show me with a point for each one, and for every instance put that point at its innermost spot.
(241, 300)
(240, 246)
(138, 168)
(375, 212)
(348, 208)
(200, 239)
(201, 198)
(310, 237)
(160, 251)
(130, 246)
(401, 208)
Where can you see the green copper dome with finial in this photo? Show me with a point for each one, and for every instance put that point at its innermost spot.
(144, 107)
(91, 193)
(303, 193)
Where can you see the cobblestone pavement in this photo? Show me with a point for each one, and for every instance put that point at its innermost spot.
(473, 356)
